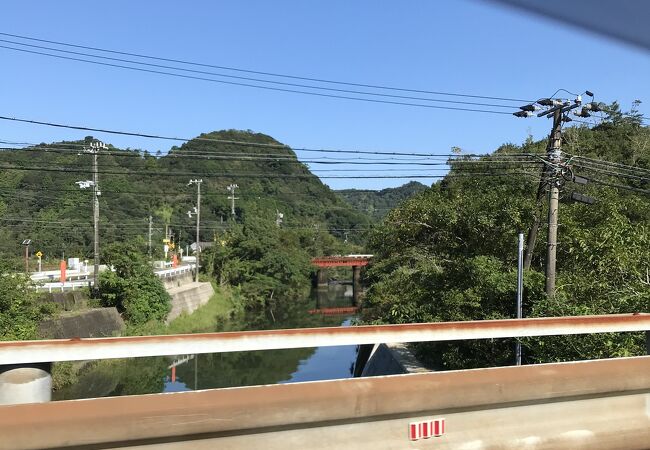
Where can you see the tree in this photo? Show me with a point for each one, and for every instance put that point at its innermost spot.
(449, 253)
(165, 213)
(131, 285)
(20, 311)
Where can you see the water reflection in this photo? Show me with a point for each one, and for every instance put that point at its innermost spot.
(204, 371)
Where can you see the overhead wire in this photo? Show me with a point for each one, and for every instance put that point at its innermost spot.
(236, 69)
(444, 161)
(214, 140)
(270, 88)
(202, 72)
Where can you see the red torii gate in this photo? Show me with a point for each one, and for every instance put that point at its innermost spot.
(354, 261)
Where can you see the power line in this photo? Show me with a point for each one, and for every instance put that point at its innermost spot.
(617, 186)
(612, 173)
(237, 175)
(619, 166)
(220, 141)
(269, 88)
(511, 159)
(319, 80)
(202, 72)
(68, 147)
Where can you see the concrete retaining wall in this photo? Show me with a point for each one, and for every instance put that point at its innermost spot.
(188, 298)
(98, 322)
(68, 301)
(387, 359)
(178, 280)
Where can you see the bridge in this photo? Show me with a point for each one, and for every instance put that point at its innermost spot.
(595, 404)
(354, 261)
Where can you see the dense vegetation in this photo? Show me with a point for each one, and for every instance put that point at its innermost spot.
(267, 263)
(131, 285)
(450, 252)
(40, 201)
(378, 203)
(20, 310)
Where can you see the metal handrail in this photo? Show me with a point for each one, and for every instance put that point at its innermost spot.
(21, 352)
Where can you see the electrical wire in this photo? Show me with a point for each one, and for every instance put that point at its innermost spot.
(269, 88)
(619, 166)
(612, 173)
(202, 72)
(617, 186)
(319, 80)
(220, 141)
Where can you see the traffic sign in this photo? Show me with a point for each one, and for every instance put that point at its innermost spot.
(39, 254)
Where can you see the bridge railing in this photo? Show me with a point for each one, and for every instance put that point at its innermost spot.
(45, 351)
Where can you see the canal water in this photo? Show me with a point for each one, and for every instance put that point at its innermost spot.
(205, 371)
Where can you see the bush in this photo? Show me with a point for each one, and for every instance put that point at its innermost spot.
(20, 311)
(132, 286)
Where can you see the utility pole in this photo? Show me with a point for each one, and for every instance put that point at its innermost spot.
(149, 242)
(231, 188)
(27, 243)
(552, 176)
(197, 213)
(95, 147)
(520, 290)
(554, 157)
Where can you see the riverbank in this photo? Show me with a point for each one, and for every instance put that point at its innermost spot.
(222, 307)
(223, 312)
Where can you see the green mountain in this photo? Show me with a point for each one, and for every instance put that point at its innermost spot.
(450, 252)
(39, 199)
(378, 203)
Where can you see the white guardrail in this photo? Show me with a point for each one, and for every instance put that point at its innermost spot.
(81, 280)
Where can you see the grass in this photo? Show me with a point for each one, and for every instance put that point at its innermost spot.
(220, 307)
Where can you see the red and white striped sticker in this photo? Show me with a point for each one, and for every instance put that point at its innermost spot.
(426, 429)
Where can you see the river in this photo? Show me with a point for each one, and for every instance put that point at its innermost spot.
(219, 370)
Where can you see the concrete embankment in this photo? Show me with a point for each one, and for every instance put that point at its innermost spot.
(188, 298)
(177, 280)
(97, 322)
(386, 359)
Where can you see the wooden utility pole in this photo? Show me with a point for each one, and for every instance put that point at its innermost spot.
(198, 234)
(197, 212)
(552, 174)
(95, 147)
(149, 242)
(554, 158)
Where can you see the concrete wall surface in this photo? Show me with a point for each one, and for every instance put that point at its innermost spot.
(178, 280)
(188, 298)
(68, 301)
(97, 322)
(600, 404)
(390, 359)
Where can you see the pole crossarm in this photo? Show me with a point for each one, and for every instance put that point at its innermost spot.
(22, 352)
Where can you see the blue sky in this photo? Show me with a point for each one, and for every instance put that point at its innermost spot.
(472, 47)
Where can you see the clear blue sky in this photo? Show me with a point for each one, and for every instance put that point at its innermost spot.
(463, 46)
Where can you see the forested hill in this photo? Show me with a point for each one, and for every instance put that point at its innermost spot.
(39, 199)
(378, 203)
(450, 252)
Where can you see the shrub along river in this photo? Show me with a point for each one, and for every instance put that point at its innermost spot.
(219, 370)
